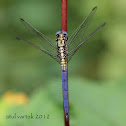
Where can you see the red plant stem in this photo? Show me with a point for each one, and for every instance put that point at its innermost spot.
(64, 14)
(64, 28)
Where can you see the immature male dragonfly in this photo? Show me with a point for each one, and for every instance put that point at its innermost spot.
(63, 49)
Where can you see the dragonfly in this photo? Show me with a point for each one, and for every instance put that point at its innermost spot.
(63, 49)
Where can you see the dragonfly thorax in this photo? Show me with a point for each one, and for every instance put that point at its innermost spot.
(62, 38)
(62, 50)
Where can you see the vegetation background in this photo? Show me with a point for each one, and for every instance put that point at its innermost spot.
(30, 81)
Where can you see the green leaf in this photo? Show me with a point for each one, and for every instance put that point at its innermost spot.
(91, 104)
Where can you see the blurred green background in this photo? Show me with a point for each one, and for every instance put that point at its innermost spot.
(30, 81)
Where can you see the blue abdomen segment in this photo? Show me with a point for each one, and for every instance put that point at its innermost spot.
(65, 93)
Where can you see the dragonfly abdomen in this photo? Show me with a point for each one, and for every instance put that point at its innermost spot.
(65, 93)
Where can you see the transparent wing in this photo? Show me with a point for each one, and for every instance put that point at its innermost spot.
(43, 41)
(72, 52)
(80, 34)
(54, 56)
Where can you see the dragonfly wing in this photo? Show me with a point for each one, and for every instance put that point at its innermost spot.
(80, 34)
(72, 52)
(54, 56)
(43, 41)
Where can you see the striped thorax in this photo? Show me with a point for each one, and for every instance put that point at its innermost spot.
(62, 49)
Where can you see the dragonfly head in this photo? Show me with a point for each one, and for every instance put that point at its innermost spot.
(61, 35)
